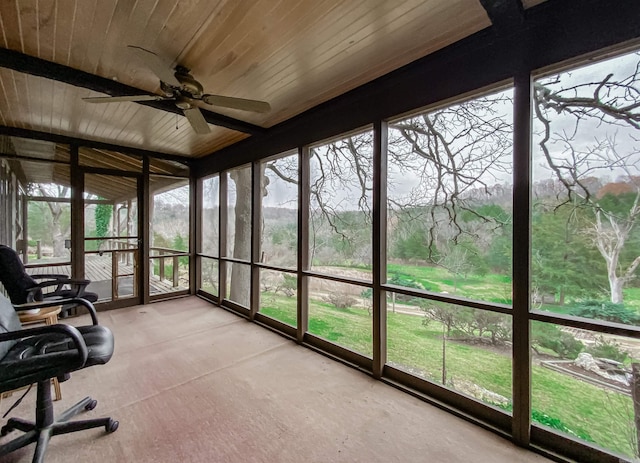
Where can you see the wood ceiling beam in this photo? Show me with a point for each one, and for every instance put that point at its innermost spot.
(34, 66)
(63, 139)
(504, 14)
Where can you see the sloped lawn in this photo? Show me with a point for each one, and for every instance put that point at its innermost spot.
(604, 416)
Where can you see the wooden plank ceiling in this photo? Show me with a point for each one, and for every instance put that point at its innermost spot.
(294, 54)
(43, 162)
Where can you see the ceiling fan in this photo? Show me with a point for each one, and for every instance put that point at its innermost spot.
(180, 86)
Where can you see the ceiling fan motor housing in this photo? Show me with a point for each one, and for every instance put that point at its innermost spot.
(189, 84)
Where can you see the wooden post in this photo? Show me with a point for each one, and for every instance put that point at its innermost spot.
(304, 193)
(161, 265)
(521, 350)
(378, 241)
(114, 274)
(175, 271)
(25, 229)
(444, 355)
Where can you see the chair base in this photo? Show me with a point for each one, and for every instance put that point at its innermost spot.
(45, 426)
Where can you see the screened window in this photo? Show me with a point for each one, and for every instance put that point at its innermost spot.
(340, 207)
(585, 248)
(210, 216)
(449, 184)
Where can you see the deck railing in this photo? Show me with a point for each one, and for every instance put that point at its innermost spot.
(168, 272)
(162, 255)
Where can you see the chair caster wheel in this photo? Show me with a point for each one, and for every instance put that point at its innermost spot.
(91, 405)
(112, 425)
(5, 430)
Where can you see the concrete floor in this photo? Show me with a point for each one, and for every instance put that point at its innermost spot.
(190, 382)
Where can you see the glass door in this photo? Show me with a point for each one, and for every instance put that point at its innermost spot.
(112, 237)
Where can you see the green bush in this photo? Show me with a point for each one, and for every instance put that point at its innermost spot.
(340, 300)
(604, 348)
(605, 311)
(406, 281)
(553, 338)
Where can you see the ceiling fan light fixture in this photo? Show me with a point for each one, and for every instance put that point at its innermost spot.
(184, 103)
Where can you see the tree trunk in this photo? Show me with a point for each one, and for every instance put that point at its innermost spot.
(56, 210)
(58, 239)
(241, 273)
(616, 285)
(240, 288)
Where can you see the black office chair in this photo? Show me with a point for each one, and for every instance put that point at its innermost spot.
(22, 287)
(36, 355)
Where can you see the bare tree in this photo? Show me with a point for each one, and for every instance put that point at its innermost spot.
(453, 159)
(575, 156)
(59, 230)
(445, 162)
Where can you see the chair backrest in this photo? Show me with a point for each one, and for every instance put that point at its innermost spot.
(9, 321)
(13, 276)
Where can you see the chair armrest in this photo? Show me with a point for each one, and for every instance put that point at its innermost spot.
(66, 330)
(50, 276)
(74, 300)
(63, 281)
(76, 285)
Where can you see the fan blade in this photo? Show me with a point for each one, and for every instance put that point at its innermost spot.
(160, 68)
(197, 121)
(115, 99)
(237, 103)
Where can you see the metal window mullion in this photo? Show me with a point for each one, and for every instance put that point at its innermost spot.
(199, 197)
(304, 188)
(145, 207)
(379, 248)
(195, 229)
(521, 430)
(222, 236)
(256, 215)
(77, 215)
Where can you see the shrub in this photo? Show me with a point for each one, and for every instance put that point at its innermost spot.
(340, 300)
(553, 338)
(366, 293)
(605, 311)
(604, 348)
(289, 285)
(400, 279)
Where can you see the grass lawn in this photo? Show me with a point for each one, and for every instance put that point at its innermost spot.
(632, 298)
(490, 287)
(604, 416)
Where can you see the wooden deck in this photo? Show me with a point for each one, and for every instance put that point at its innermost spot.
(98, 270)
